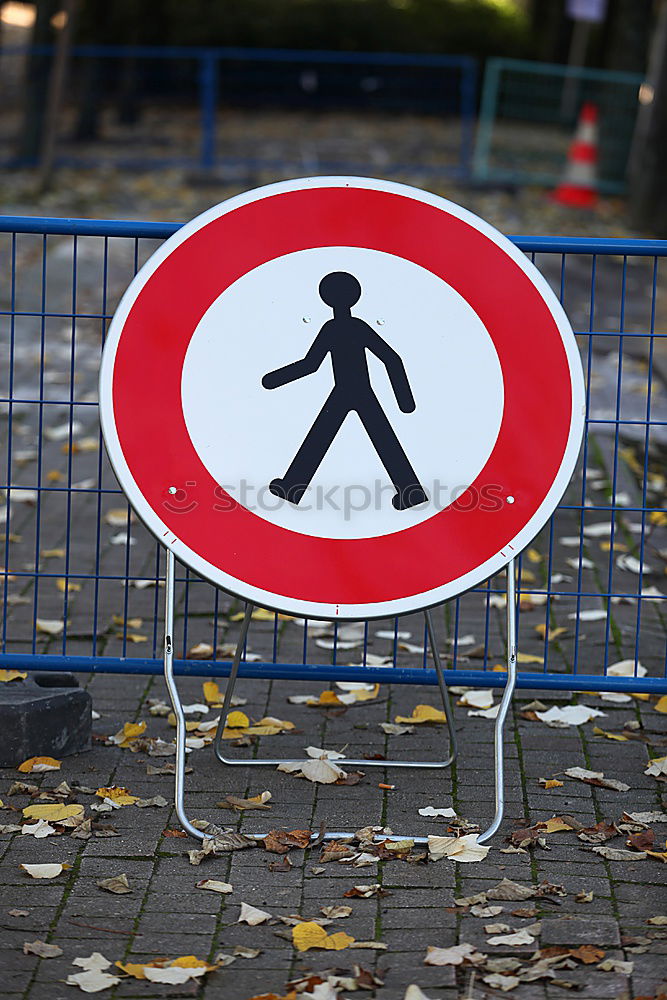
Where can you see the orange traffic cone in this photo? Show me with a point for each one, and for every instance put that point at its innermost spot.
(579, 185)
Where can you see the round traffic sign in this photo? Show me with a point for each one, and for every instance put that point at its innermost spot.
(341, 397)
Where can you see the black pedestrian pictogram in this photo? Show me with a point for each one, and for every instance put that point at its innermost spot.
(347, 338)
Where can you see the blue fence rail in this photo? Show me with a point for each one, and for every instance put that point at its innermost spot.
(440, 85)
(80, 579)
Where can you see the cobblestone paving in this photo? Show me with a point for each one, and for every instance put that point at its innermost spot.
(165, 915)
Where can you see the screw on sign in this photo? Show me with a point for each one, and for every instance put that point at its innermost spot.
(304, 462)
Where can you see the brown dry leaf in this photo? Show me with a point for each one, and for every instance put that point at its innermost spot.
(587, 953)
(12, 675)
(42, 949)
(121, 796)
(596, 778)
(336, 912)
(45, 871)
(241, 805)
(366, 891)
(423, 714)
(583, 897)
(252, 916)
(641, 841)
(53, 813)
(215, 886)
(34, 765)
(117, 884)
(308, 935)
(282, 841)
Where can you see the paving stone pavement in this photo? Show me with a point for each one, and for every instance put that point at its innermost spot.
(165, 915)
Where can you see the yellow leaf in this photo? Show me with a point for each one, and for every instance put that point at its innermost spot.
(308, 935)
(658, 517)
(12, 675)
(329, 698)
(130, 623)
(552, 783)
(258, 615)
(189, 726)
(367, 695)
(660, 855)
(423, 713)
(212, 693)
(135, 637)
(661, 705)
(534, 556)
(37, 764)
(610, 736)
(62, 585)
(555, 825)
(117, 794)
(528, 658)
(267, 726)
(554, 633)
(52, 553)
(136, 969)
(53, 813)
(639, 695)
(130, 732)
(527, 575)
(498, 668)
(237, 720)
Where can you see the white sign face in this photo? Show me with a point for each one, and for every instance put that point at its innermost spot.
(273, 315)
(341, 397)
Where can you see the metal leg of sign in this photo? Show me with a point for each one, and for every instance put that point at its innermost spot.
(179, 769)
(504, 706)
(344, 761)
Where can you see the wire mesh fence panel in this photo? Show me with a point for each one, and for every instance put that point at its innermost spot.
(529, 113)
(253, 109)
(82, 581)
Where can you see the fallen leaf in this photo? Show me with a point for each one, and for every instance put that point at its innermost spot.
(497, 981)
(308, 935)
(596, 778)
(45, 871)
(42, 949)
(616, 854)
(34, 765)
(366, 891)
(215, 886)
(570, 715)
(423, 714)
(241, 805)
(117, 794)
(511, 940)
(583, 897)
(618, 737)
(175, 971)
(392, 729)
(251, 915)
(92, 981)
(657, 767)
(446, 813)
(414, 992)
(38, 830)
(464, 849)
(49, 626)
(157, 801)
(480, 698)
(626, 668)
(12, 675)
(659, 921)
(117, 884)
(456, 955)
(336, 912)
(281, 841)
(550, 783)
(53, 813)
(130, 732)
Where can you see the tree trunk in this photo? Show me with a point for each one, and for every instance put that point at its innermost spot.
(648, 161)
(38, 68)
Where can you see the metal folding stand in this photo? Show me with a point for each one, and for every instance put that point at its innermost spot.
(179, 792)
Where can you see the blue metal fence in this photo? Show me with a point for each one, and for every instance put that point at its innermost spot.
(214, 78)
(81, 581)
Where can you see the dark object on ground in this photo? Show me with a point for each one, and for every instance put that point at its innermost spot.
(47, 714)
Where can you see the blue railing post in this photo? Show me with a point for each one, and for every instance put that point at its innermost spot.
(208, 95)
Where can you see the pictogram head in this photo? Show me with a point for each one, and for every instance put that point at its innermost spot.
(340, 289)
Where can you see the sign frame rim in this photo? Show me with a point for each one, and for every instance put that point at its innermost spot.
(328, 610)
